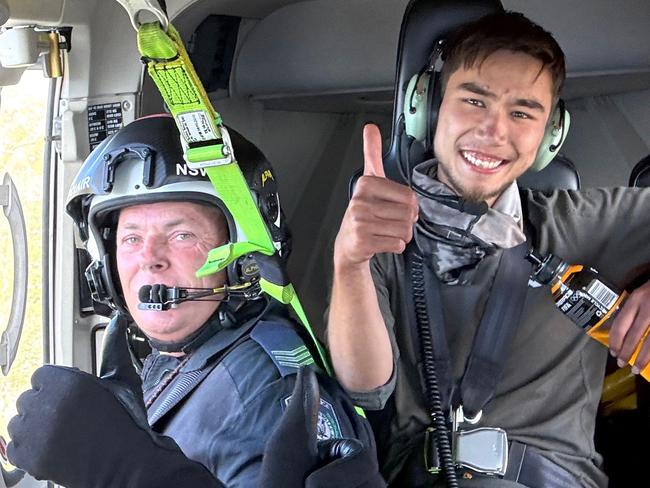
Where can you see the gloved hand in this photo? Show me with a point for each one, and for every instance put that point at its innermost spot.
(81, 431)
(293, 457)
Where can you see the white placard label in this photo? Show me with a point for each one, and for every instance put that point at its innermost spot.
(195, 127)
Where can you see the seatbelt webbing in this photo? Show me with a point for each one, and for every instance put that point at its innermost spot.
(497, 329)
(178, 390)
(493, 337)
(435, 314)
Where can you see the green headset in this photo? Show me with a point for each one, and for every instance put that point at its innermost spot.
(422, 101)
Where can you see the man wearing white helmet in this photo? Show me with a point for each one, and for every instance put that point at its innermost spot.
(224, 357)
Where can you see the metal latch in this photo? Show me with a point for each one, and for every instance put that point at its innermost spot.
(483, 449)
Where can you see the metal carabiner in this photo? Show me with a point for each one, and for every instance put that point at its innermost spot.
(135, 7)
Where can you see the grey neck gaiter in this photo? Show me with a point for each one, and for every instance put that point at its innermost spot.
(455, 242)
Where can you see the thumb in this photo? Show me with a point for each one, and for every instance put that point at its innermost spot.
(373, 164)
(116, 358)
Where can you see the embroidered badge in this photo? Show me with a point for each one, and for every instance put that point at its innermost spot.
(328, 426)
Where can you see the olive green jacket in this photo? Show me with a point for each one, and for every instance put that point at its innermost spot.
(549, 392)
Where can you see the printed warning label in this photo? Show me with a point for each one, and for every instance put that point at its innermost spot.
(103, 120)
(195, 127)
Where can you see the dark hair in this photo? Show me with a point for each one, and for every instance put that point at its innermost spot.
(475, 41)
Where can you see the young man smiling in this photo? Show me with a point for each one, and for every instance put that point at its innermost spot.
(501, 81)
(491, 123)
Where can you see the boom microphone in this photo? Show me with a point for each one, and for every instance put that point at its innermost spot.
(454, 201)
(161, 297)
(463, 205)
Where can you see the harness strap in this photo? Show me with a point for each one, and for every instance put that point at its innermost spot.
(497, 330)
(494, 335)
(526, 465)
(187, 382)
(425, 286)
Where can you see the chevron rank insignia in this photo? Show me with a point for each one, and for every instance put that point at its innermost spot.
(283, 345)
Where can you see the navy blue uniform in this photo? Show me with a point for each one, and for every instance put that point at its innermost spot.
(227, 396)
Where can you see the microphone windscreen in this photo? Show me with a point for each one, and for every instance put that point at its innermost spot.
(144, 295)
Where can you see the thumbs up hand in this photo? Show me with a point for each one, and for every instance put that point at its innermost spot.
(373, 164)
(381, 212)
(82, 431)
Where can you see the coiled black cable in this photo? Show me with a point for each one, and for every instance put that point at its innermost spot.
(434, 401)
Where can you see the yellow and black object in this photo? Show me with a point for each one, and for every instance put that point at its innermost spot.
(583, 296)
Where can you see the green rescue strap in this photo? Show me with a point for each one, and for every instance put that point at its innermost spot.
(207, 145)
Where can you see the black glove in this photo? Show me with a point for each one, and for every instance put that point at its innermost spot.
(293, 457)
(81, 431)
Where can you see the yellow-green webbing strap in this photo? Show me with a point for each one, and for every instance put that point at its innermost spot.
(171, 70)
(207, 145)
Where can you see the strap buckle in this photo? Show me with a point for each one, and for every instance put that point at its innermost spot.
(202, 147)
(431, 458)
(220, 257)
(483, 449)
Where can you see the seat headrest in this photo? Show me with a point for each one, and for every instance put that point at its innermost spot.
(640, 175)
(424, 22)
(559, 174)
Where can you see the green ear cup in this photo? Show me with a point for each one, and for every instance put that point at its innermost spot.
(415, 106)
(556, 132)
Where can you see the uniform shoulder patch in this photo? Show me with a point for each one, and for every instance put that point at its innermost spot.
(283, 345)
(328, 423)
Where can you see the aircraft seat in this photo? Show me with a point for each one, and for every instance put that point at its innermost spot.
(560, 173)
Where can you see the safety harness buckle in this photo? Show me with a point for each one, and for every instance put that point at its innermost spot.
(431, 458)
(458, 417)
(215, 151)
(483, 449)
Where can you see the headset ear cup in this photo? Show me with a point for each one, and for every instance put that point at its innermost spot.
(103, 290)
(554, 136)
(415, 106)
(243, 270)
